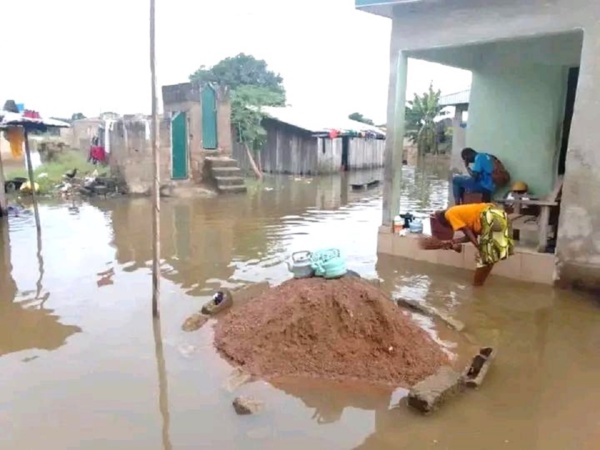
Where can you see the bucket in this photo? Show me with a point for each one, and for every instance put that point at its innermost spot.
(416, 227)
(439, 231)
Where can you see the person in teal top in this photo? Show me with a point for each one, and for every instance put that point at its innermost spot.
(479, 179)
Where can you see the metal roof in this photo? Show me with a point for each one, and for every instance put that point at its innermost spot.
(457, 98)
(316, 121)
(382, 7)
(8, 118)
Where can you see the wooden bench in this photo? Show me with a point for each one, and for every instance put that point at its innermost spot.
(522, 221)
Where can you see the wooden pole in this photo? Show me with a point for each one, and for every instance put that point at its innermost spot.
(3, 201)
(163, 387)
(156, 156)
(32, 182)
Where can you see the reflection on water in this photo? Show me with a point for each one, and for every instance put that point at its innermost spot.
(78, 360)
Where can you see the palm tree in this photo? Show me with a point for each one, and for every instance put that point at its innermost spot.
(420, 120)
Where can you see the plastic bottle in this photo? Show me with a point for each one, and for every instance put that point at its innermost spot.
(398, 224)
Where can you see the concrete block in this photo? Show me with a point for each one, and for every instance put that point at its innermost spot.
(477, 370)
(427, 395)
(245, 405)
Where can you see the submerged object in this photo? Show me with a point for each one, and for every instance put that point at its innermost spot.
(220, 301)
(429, 394)
(476, 372)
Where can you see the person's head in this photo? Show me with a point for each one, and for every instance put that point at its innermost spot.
(468, 155)
(440, 216)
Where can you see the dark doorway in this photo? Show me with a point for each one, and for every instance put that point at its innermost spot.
(345, 152)
(569, 107)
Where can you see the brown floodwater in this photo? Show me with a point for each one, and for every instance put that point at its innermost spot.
(78, 365)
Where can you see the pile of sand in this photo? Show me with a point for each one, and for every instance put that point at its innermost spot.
(344, 329)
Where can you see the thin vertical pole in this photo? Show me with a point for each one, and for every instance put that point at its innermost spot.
(163, 386)
(32, 182)
(3, 201)
(156, 156)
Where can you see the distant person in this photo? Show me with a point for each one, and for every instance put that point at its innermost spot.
(486, 227)
(486, 173)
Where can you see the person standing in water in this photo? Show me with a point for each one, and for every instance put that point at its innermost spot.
(485, 226)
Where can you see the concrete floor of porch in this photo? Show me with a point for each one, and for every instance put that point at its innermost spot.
(525, 265)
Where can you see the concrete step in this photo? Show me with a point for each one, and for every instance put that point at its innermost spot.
(229, 181)
(226, 172)
(233, 189)
(218, 162)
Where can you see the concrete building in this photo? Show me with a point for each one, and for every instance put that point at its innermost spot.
(196, 125)
(535, 68)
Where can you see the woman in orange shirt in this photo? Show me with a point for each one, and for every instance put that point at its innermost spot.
(486, 227)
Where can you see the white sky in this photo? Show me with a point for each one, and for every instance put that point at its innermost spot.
(66, 56)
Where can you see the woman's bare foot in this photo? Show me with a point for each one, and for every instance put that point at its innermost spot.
(481, 274)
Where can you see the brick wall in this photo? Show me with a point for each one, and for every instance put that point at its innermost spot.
(186, 97)
(130, 158)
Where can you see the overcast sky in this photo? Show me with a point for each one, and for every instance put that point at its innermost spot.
(66, 56)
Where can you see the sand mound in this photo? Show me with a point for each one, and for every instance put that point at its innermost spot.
(342, 329)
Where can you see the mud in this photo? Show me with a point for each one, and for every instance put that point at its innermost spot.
(344, 329)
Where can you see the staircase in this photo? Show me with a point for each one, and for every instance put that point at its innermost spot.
(224, 174)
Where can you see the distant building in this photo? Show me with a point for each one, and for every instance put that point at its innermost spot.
(309, 143)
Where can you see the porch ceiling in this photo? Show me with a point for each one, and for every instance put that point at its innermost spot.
(556, 49)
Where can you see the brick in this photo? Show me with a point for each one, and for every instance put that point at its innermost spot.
(475, 373)
(427, 395)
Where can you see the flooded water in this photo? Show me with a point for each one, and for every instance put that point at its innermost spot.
(78, 365)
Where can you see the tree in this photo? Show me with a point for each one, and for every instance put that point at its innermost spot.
(241, 70)
(253, 86)
(247, 103)
(420, 120)
(360, 118)
(78, 116)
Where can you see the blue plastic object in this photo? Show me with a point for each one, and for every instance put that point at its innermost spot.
(416, 226)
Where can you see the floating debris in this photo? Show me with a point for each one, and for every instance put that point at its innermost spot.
(432, 312)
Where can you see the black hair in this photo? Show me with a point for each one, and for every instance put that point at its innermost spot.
(468, 153)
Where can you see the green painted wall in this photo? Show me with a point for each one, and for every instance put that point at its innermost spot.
(516, 113)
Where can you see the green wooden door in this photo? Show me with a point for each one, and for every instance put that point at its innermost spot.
(179, 150)
(209, 118)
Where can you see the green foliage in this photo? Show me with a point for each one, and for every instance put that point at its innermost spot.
(420, 126)
(360, 118)
(247, 114)
(54, 170)
(77, 116)
(241, 70)
(253, 86)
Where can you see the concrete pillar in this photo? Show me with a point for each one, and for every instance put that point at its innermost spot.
(459, 141)
(3, 203)
(394, 146)
(578, 246)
